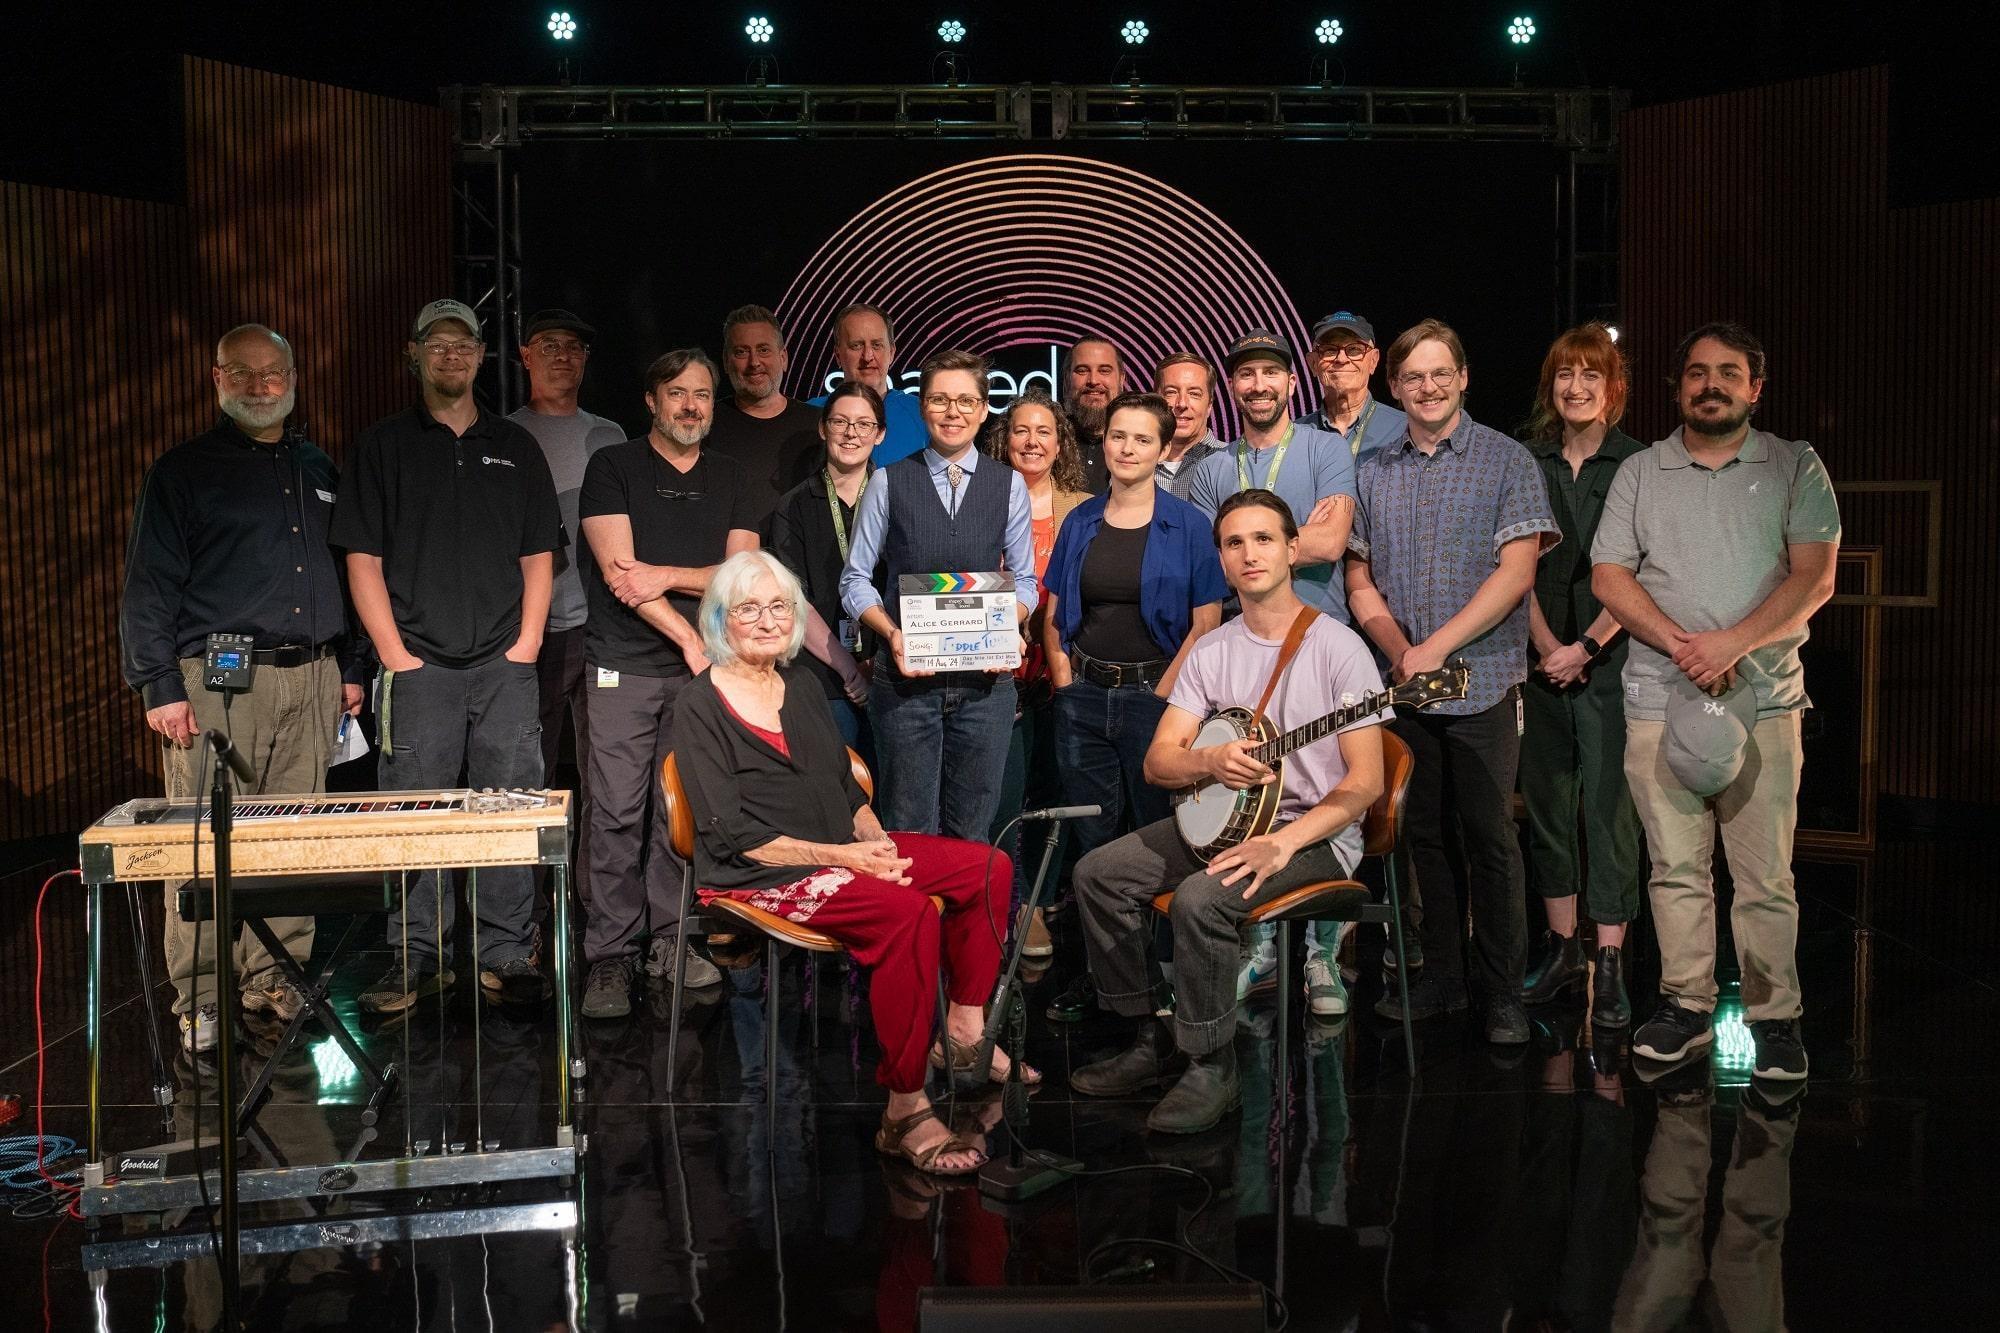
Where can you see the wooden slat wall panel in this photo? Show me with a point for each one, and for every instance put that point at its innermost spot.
(320, 211)
(1772, 207)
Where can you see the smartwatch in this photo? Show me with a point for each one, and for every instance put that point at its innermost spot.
(1595, 648)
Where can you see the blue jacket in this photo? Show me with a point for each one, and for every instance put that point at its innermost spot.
(1180, 572)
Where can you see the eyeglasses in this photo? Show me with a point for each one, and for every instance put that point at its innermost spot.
(858, 425)
(464, 347)
(238, 376)
(749, 613)
(965, 402)
(555, 351)
(1416, 379)
(665, 494)
(1345, 352)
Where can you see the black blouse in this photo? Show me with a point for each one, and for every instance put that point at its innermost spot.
(744, 793)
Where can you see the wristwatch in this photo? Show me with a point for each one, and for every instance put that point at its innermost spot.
(1595, 648)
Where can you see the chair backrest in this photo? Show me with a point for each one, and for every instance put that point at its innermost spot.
(680, 815)
(1382, 826)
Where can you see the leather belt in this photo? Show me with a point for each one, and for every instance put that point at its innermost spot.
(1113, 675)
(291, 655)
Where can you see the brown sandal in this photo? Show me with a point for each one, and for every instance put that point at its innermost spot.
(889, 1142)
(967, 1076)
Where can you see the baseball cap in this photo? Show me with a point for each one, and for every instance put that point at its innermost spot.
(1258, 343)
(544, 321)
(1345, 319)
(1706, 735)
(444, 309)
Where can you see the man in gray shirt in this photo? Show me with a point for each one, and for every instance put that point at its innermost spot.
(1187, 382)
(1716, 546)
(555, 347)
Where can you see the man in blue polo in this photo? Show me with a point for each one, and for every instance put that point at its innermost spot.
(1345, 358)
(864, 347)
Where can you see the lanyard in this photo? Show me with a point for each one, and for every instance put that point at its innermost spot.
(1277, 461)
(1360, 429)
(833, 509)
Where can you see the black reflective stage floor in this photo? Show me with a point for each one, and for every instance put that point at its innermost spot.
(1555, 1188)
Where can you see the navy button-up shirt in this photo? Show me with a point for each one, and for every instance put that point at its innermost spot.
(1431, 528)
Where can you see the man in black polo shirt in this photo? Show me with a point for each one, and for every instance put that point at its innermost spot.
(450, 523)
(230, 538)
(659, 514)
(775, 439)
(1093, 375)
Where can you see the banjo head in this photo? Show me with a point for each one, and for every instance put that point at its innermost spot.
(1209, 816)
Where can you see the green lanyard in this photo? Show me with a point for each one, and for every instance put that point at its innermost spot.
(1360, 429)
(833, 508)
(1277, 461)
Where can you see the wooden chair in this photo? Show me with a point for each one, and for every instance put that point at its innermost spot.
(775, 929)
(1346, 899)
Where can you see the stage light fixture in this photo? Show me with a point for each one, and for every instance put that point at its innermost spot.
(1329, 31)
(561, 26)
(951, 32)
(1521, 30)
(1135, 33)
(759, 29)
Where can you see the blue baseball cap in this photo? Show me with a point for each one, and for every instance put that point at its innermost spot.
(1345, 319)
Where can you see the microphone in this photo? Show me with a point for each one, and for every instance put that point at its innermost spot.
(239, 763)
(1062, 812)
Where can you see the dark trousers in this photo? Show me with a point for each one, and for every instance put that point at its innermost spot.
(1465, 768)
(1115, 887)
(1573, 782)
(439, 726)
(942, 743)
(635, 878)
(1101, 740)
(559, 674)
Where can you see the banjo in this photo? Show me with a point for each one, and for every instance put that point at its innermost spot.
(1211, 818)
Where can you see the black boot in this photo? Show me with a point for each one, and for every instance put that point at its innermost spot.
(1206, 1093)
(1610, 1007)
(1557, 966)
(1150, 1060)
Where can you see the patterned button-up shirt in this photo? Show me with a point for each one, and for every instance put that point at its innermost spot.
(1431, 528)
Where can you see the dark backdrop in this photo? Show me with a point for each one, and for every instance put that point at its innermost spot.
(655, 242)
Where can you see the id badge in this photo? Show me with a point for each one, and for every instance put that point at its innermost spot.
(1520, 714)
(850, 635)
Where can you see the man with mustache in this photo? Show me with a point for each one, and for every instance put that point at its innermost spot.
(1093, 375)
(1345, 357)
(1716, 546)
(230, 538)
(774, 438)
(1187, 382)
(450, 523)
(864, 347)
(660, 512)
(1452, 519)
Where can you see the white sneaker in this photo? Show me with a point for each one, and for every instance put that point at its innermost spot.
(1258, 974)
(1326, 995)
(198, 1029)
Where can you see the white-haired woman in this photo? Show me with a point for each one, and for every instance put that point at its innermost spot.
(780, 822)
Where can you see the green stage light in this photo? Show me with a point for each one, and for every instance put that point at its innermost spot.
(561, 26)
(1135, 33)
(1329, 31)
(1521, 30)
(951, 31)
(759, 29)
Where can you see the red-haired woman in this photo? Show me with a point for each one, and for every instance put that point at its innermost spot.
(1573, 747)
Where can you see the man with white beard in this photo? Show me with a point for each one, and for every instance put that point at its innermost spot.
(230, 538)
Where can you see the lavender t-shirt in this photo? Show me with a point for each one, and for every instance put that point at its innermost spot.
(1228, 667)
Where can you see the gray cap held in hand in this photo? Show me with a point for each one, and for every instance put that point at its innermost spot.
(1706, 735)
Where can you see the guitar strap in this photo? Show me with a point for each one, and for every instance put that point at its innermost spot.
(1294, 637)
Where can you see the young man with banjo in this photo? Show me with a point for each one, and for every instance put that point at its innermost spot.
(1265, 804)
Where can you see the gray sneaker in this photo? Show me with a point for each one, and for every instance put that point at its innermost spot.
(700, 975)
(608, 993)
(1326, 995)
(276, 996)
(198, 1029)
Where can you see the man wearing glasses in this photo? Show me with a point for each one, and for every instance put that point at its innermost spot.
(450, 524)
(230, 538)
(774, 438)
(941, 737)
(659, 512)
(1345, 357)
(1452, 518)
(555, 348)
(864, 347)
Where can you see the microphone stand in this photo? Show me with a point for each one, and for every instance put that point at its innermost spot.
(219, 807)
(1017, 1178)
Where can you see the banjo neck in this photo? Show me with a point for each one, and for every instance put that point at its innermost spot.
(1275, 749)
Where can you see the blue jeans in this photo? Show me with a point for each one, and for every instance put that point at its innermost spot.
(1101, 740)
(942, 742)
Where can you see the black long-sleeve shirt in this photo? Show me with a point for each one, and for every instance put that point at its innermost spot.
(230, 538)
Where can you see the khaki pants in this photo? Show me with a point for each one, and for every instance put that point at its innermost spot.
(1756, 814)
(285, 725)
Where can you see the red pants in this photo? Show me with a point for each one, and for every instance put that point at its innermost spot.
(892, 930)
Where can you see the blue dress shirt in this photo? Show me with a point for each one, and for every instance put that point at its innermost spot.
(1179, 571)
(871, 520)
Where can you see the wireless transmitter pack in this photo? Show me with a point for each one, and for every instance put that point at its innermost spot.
(226, 666)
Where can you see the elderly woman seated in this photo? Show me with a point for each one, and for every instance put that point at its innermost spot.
(781, 823)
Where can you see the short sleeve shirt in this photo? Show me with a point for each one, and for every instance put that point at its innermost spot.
(678, 518)
(1709, 546)
(1228, 668)
(452, 517)
(1316, 464)
(1431, 528)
